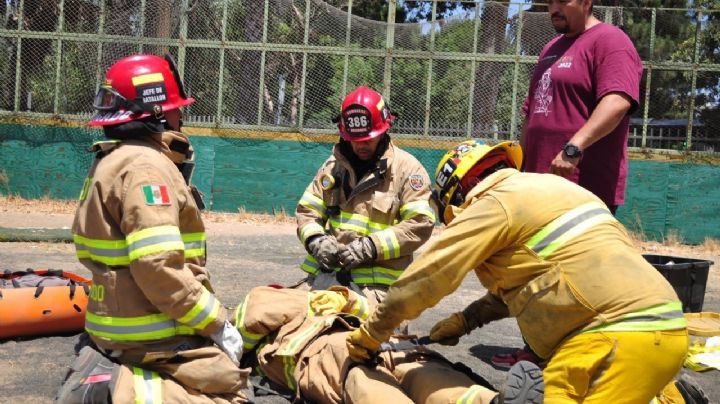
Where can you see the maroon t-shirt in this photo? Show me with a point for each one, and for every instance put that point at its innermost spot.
(571, 77)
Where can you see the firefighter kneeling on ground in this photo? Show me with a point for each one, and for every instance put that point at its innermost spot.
(161, 333)
(550, 254)
(296, 341)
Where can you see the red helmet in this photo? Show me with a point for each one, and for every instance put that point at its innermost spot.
(364, 115)
(136, 87)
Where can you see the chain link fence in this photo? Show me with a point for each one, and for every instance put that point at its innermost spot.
(268, 66)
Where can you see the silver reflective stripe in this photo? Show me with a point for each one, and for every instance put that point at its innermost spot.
(144, 242)
(204, 313)
(106, 252)
(130, 329)
(555, 234)
(191, 245)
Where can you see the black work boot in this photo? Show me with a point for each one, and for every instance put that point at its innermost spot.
(524, 384)
(691, 392)
(89, 380)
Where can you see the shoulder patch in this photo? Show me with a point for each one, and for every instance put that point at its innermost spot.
(417, 182)
(156, 194)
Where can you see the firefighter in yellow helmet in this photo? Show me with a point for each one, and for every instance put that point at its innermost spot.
(551, 255)
(152, 313)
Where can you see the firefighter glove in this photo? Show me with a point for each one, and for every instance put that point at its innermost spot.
(449, 330)
(325, 302)
(229, 340)
(361, 345)
(324, 249)
(360, 251)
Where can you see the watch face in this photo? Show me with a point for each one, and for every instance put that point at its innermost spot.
(572, 151)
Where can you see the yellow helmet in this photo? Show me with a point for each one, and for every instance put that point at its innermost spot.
(461, 168)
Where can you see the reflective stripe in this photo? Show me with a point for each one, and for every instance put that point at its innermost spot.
(375, 275)
(289, 370)
(108, 252)
(310, 229)
(138, 245)
(567, 227)
(356, 222)
(195, 244)
(315, 203)
(293, 346)
(470, 394)
(148, 386)
(663, 317)
(415, 208)
(250, 339)
(203, 312)
(154, 240)
(362, 275)
(389, 244)
(360, 307)
(85, 188)
(144, 328)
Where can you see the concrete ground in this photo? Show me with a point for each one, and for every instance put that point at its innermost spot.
(242, 256)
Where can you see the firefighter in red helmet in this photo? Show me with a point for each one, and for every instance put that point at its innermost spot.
(160, 331)
(367, 209)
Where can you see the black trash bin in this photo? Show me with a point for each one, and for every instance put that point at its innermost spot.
(688, 276)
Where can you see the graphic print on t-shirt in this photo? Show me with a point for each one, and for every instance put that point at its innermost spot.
(543, 95)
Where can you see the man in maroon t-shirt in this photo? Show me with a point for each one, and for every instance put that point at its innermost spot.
(582, 92)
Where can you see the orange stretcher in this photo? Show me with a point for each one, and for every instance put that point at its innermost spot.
(42, 302)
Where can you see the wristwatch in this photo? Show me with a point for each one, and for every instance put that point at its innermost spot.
(572, 151)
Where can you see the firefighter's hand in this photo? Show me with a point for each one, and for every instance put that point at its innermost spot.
(324, 249)
(229, 340)
(360, 251)
(361, 345)
(325, 302)
(449, 330)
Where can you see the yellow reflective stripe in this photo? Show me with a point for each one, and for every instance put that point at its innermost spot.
(415, 208)
(360, 307)
(389, 244)
(250, 339)
(154, 240)
(315, 203)
(203, 312)
(568, 226)
(148, 386)
(470, 394)
(293, 345)
(310, 229)
(375, 275)
(147, 78)
(356, 222)
(195, 244)
(143, 328)
(289, 370)
(85, 188)
(663, 317)
(310, 265)
(108, 252)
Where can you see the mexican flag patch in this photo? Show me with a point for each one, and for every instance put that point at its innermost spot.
(156, 195)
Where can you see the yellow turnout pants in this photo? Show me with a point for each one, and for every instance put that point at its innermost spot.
(614, 367)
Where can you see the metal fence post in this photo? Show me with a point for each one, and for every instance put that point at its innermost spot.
(389, 43)
(261, 83)
(648, 81)
(428, 81)
(221, 68)
(58, 56)
(18, 57)
(306, 37)
(346, 64)
(473, 68)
